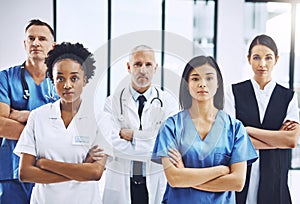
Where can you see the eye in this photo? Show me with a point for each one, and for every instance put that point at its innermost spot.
(194, 79)
(75, 78)
(59, 79)
(256, 58)
(269, 58)
(149, 65)
(138, 65)
(210, 78)
(42, 39)
(31, 38)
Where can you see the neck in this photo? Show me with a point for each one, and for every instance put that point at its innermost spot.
(203, 110)
(140, 90)
(70, 107)
(262, 82)
(36, 69)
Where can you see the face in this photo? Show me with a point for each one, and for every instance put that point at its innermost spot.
(38, 42)
(142, 66)
(69, 80)
(262, 60)
(203, 83)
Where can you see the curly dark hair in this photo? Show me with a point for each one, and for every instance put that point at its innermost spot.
(75, 52)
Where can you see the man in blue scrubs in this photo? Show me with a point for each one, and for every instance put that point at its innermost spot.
(22, 89)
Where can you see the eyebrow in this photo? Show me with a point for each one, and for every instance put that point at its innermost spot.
(196, 74)
(71, 73)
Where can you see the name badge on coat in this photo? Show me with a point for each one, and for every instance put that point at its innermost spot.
(81, 140)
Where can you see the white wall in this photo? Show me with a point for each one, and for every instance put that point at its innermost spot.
(231, 52)
(14, 15)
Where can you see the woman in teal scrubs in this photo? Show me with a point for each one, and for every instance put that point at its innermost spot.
(203, 150)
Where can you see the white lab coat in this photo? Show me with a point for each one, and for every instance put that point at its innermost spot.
(117, 184)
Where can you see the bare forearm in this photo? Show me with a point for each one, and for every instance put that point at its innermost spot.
(189, 177)
(259, 144)
(73, 171)
(275, 138)
(224, 183)
(234, 181)
(37, 175)
(10, 129)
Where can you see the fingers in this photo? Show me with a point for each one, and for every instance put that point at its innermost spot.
(289, 125)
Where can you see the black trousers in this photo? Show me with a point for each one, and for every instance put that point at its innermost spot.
(138, 190)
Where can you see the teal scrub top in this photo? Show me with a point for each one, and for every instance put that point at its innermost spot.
(226, 143)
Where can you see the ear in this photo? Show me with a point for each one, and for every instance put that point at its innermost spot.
(248, 57)
(128, 67)
(155, 68)
(84, 80)
(276, 59)
(53, 44)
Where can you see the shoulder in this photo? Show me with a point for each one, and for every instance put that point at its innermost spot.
(45, 110)
(229, 119)
(9, 72)
(282, 88)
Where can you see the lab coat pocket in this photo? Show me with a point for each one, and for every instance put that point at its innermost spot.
(221, 159)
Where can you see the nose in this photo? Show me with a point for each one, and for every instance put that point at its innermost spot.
(263, 63)
(143, 69)
(36, 42)
(67, 84)
(202, 83)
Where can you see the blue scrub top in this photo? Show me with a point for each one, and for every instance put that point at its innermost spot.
(11, 93)
(226, 143)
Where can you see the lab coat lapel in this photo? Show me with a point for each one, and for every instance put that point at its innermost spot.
(128, 102)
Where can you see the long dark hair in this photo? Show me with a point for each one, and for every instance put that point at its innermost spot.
(185, 98)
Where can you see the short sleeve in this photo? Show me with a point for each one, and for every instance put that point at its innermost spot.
(4, 96)
(243, 149)
(104, 132)
(27, 142)
(165, 140)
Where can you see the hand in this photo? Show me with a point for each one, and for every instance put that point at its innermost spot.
(175, 158)
(94, 154)
(289, 125)
(19, 115)
(126, 134)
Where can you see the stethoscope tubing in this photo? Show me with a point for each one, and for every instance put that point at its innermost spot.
(121, 102)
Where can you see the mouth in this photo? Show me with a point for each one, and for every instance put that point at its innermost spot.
(34, 50)
(68, 93)
(143, 77)
(202, 92)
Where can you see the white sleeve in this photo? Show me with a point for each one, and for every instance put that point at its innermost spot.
(27, 140)
(229, 104)
(104, 132)
(293, 109)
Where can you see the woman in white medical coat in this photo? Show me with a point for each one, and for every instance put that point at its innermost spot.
(57, 138)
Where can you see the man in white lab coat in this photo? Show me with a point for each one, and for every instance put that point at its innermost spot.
(138, 109)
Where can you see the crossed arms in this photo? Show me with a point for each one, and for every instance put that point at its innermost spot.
(49, 171)
(212, 179)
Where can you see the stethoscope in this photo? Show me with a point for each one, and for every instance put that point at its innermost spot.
(121, 117)
(26, 93)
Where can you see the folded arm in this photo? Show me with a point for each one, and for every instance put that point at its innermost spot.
(74, 171)
(234, 181)
(28, 172)
(190, 177)
(285, 137)
(11, 122)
